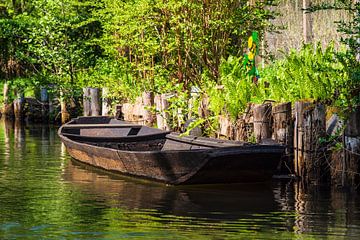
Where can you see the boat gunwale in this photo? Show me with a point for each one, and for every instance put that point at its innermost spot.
(245, 149)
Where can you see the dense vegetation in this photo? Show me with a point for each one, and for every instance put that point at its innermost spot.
(168, 46)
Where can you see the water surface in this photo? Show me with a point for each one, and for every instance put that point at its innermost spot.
(45, 195)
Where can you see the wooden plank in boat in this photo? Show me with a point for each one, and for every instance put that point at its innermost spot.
(102, 126)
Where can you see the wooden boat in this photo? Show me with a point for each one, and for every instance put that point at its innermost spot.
(162, 156)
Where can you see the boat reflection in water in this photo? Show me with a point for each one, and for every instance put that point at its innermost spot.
(209, 201)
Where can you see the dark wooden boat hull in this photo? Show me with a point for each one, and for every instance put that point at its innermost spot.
(154, 154)
(253, 163)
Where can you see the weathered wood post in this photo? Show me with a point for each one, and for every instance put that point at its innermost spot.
(310, 127)
(283, 129)
(315, 129)
(65, 116)
(148, 103)
(226, 127)
(106, 104)
(262, 121)
(245, 125)
(95, 101)
(158, 107)
(44, 99)
(44, 96)
(162, 115)
(8, 109)
(299, 136)
(345, 166)
(86, 102)
(6, 93)
(18, 105)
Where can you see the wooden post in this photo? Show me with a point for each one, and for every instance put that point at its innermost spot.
(105, 102)
(159, 117)
(310, 127)
(95, 101)
(262, 122)
(18, 105)
(283, 129)
(65, 116)
(203, 110)
(86, 102)
(44, 98)
(226, 127)
(298, 137)
(6, 93)
(314, 130)
(164, 107)
(162, 115)
(148, 103)
(345, 167)
(352, 152)
(245, 125)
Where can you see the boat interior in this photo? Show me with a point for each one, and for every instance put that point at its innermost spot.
(121, 135)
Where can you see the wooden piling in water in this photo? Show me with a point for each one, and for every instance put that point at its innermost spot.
(44, 98)
(262, 121)
(310, 126)
(283, 131)
(18, 105)
(345, 167)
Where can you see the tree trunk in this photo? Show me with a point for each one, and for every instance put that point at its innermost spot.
(307, 23)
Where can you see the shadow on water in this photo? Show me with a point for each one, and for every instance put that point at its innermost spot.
(207, 201)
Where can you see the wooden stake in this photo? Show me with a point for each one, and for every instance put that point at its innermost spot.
(310, 127)
(86, 102)
(18, 105)
(95, 101)
(262, 121)
(65, 116)
(105, 102)
(148, 102)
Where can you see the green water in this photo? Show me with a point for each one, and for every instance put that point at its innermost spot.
(44, 195)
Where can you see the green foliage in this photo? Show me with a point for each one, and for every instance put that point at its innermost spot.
(236, 89)
(312, 73)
